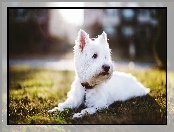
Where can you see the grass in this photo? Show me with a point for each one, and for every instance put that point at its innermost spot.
(32, 92)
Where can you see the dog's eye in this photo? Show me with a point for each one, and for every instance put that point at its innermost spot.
(94, 56)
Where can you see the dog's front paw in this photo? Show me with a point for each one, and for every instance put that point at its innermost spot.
(85, 112)
(59, 108)
(53, 110)
(77, 115)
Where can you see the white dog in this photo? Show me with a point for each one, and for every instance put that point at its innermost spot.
(96, 85)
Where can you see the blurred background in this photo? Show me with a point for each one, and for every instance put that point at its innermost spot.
(45, 37)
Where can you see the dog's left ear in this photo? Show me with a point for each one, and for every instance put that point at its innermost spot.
(104, 35)
(103, 38)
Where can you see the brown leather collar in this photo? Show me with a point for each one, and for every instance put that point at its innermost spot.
(87, 86)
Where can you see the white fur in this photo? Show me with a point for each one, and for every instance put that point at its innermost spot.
(115, 86)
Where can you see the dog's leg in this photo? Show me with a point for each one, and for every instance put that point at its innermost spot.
(74, 100)
(69, 103)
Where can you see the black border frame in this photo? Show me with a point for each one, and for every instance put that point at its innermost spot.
(8, 8)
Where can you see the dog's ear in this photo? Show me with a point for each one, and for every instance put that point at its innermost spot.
(104, 35)
(103, 38)
(82, 39)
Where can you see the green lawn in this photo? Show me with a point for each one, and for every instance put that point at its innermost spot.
(32, 92)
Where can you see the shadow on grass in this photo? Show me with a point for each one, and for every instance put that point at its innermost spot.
(139, 110)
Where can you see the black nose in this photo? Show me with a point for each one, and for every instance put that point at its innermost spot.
(106, 68)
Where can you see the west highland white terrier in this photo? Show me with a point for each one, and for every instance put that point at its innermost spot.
(96, 85)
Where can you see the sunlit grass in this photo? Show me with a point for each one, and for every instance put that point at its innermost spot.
(32, 92)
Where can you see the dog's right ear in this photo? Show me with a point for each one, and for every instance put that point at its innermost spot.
(82, 39)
